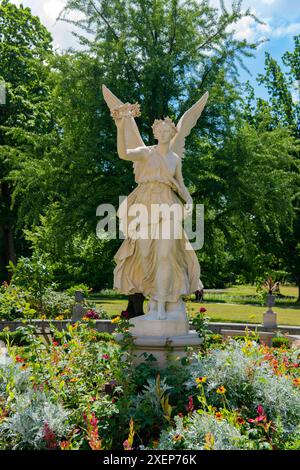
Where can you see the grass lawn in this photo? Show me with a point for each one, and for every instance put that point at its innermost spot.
(218, 311)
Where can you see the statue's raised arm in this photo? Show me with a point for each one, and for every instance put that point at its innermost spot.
(186, 124)
(130, 142)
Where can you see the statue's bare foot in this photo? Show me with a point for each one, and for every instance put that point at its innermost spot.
(161, 311)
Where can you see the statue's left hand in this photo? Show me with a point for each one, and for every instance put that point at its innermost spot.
(188, 208)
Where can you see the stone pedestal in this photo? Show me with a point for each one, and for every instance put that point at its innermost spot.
(166, 339)
(270, 319)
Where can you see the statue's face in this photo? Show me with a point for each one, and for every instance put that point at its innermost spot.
(163, 133)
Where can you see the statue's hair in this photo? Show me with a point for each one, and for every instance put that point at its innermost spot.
(167, 121)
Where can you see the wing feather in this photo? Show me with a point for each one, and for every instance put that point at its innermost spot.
(132, 133)
(186, 124)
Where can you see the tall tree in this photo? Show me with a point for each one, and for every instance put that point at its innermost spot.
(24, 47)
(283, 109)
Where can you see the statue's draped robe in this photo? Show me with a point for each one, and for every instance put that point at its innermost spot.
(139, 262)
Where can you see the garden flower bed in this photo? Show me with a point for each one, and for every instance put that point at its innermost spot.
(78, 392)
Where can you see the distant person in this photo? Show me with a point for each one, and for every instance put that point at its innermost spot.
(199, 294)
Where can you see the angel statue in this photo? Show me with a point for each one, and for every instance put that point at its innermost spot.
(163, 268)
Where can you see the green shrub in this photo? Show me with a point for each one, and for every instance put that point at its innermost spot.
(19, 337)
(214, 339)
(86, 290)
(280, 342)
(15, 303)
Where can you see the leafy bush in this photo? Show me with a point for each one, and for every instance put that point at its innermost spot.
(251, 378)
(15, 303)
(19, 337)
(32, 274)
(36, 422)
(280, 342)
(202, 432)
(86, 290)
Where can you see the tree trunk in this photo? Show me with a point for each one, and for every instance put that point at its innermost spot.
(6, 228)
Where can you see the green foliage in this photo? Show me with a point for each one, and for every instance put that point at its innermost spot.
(201, 323)
(86, 290)
(32, 275)
(15, 303)
(280, 342)
(19, 337)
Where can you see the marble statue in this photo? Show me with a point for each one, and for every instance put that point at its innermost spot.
(163, 268)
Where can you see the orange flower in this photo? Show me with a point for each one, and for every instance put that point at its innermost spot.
(296, 381)
(65, 445)
(219, 415)
(177, 437)
(240, 421)
(221, 390)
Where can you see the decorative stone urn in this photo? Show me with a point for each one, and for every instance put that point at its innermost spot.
(270, 317)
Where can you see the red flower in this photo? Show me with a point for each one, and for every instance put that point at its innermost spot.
(55, 343)
(105, 356)
(202, 310)
(19, 359)
(180, 415)
(49, 437)
(92, 314)
(190, 406)
(94, 420)
(125, 314)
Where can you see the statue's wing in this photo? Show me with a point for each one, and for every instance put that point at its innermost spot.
(132, 133)
(186, 124)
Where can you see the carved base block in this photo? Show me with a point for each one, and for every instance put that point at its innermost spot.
(165, 349)
(270, 319)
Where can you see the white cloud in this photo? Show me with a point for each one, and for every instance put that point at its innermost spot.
(286, 30)
(52, 8)
(245, 29)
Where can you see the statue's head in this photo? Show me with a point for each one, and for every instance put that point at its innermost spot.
(164, 130)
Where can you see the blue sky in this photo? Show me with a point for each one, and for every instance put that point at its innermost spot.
(281, 18)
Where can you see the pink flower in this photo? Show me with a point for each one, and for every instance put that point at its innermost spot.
(105, 356)
(261, 415)
(126, 445)
(260, 410)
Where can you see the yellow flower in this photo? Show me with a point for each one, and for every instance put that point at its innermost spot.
(74, 379)
(43, 317)
(85, 318)
(221, 390)
(200, 380)
(115, 320)
(60, 317)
